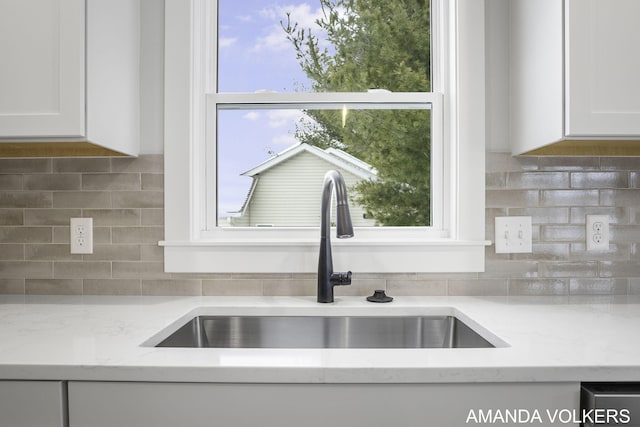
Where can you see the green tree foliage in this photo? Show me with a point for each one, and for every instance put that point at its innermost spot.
(374, 44)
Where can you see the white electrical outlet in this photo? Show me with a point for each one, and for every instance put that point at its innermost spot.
(513, 234)
(597, 227)
(81, 235)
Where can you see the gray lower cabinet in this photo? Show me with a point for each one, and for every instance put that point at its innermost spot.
(107, 404)
(33, 404)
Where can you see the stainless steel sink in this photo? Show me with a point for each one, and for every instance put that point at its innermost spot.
(325, 332)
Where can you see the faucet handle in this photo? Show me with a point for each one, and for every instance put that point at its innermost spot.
(340, 279)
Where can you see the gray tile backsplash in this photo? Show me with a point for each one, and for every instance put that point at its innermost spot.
(125, 198)
(564, 190)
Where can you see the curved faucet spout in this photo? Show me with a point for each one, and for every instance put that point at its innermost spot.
(327, 279)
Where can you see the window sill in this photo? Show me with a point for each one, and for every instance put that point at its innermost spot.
(301, 256)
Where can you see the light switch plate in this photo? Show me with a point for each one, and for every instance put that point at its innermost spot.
(513, 234)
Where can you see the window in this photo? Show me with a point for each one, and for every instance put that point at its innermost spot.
(211, 229)
(306, 86)
(269, 156)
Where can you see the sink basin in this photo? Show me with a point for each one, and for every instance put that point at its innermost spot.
(325, 332)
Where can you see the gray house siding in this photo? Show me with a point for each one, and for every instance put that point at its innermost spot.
(288, 194)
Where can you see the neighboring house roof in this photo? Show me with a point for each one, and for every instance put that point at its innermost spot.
(332, 155)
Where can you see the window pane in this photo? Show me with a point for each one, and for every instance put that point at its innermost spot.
(323, 45)
(271, 163)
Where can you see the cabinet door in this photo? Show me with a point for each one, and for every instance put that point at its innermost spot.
(42, 74)
(32, 403)
(602, 68)
(103, 404)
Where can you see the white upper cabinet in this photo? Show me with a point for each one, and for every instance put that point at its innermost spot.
(70, 72)
(42, 76)
(603, 67)
(574, 76)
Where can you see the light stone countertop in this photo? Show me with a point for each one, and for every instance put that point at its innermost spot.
(540, 339)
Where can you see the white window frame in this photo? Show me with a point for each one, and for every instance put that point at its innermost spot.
(297, 101)
(454, 244)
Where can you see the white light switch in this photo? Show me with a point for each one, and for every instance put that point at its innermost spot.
(81, 235)
(513, 234)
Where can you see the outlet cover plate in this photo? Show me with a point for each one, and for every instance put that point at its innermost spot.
(597, 232)
(513, 234)
(81, 235)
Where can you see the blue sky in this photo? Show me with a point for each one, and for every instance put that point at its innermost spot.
(254, 54)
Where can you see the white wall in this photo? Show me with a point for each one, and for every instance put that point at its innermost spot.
(497, 75)
(152, 76)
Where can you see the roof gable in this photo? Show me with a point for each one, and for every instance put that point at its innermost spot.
(334, 156)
